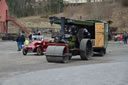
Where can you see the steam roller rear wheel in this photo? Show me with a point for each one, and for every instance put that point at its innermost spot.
(56, 54)
(86, 49)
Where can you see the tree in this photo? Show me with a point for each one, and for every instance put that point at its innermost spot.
(21, 8)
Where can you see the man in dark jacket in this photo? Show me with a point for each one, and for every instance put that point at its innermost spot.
(30, 36)
(20, 41)
(125, 36)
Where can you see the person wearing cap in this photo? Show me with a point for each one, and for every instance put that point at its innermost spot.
(20, 41)
(86, 33)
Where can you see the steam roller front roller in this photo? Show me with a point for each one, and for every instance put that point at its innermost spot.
(86, 49)
(56, 54)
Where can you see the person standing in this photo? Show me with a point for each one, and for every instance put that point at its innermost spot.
(125, 36)
(86, 33)
(26, 43)
(30, 37)
(20, 41)
(115, 38)
(121, 39)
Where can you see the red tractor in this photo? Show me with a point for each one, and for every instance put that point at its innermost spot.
(37, 46)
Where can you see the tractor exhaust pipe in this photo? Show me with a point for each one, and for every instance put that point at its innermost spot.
(62, 25)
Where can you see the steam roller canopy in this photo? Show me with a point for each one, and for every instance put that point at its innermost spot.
(56, 54)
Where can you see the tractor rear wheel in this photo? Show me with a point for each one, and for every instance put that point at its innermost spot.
(39, 51)
(25, 52)
(86, 49)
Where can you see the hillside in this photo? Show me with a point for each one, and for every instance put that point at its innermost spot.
(114, 12)
(32, 23)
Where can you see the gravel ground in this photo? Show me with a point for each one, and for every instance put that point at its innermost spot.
(13, 63)
(98, 74)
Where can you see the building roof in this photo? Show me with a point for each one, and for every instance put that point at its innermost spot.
(80, 1)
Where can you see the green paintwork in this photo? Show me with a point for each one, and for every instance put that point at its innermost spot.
(78, 22)
(73, 22)
(105, 35)
(88, 23)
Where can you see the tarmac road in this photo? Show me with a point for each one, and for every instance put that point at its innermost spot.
(13, 63)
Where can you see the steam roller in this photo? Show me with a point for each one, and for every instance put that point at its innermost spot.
(77, 37)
